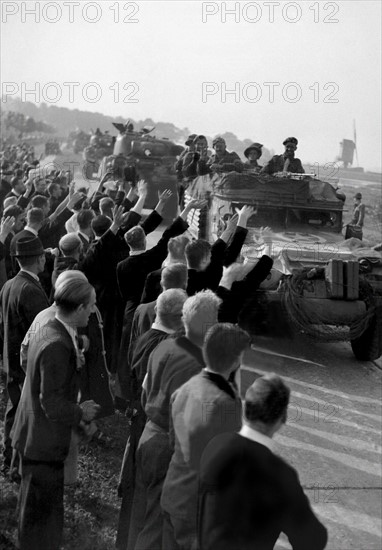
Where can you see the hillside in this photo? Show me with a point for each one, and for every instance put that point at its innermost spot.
(65, 120)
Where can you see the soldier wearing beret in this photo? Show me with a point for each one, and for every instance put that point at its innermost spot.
(252, 154)
(286, 162)
(223, 160)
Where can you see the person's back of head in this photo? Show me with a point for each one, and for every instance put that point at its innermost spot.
(176, 248)
(266, 403)
(198, 254)
(174, 276)
(200, 312)
(9, 201)
(69, 275)
(100, 224)
(106, 206)
(12, 211)
(39, 201)
(74, 297)
(16, 182)
(136, 238)
(54, 190)
(169, 308)
(70, 245)
(35, 217)
(84, 219)
(223, 347)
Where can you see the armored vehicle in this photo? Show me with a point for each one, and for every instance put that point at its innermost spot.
(139, 155)
(324, 286)
(100, 146)
(79, 140)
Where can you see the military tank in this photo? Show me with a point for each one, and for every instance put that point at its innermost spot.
(78, 140)
(140, 155)
(100, 145)
(325, 287)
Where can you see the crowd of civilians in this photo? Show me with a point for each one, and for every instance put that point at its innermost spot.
(93, 321)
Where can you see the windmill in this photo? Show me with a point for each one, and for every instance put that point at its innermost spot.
(347, 149)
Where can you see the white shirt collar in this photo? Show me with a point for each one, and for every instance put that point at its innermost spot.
(158, 326)
(31, 230)
(136, 252)
(86, 237)
(254, 435)
(31, 274)
(71, 330)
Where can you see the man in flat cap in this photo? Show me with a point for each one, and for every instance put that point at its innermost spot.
(223, 160)
(252, 154)
(21, 299)
(286, 162)
(248, 494)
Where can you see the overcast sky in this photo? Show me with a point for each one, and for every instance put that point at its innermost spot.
(327, 64)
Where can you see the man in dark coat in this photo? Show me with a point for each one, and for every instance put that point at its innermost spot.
(19, 216)
(131, 275)
(168, 321)
(21, 299)
(173, 276)
(248, 495)
(43, 438)
(171, 364)
(100, 265)
(175, 255)
(285, 162)
(85, 232)
(205, 406)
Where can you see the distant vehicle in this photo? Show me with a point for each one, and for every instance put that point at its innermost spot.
(139, 155)
(52, 147)
(324, 286)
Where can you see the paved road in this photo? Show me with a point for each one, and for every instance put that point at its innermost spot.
(333, 434)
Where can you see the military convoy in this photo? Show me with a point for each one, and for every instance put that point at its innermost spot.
(139, 155)
(323, 286)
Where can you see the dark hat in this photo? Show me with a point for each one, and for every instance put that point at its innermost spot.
(218, 139)
(254, 146)
(190, 139)
(290, 140)
(29, 246)
(358, 196)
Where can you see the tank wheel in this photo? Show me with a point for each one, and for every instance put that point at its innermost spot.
(368, 346)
